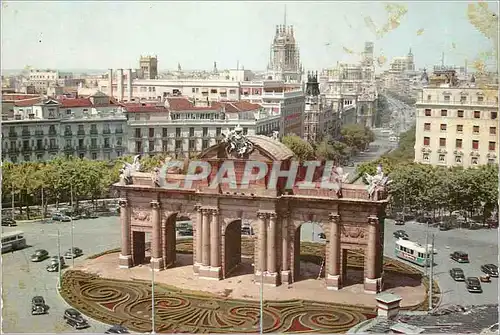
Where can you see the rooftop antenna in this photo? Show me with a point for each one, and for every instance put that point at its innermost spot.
(284, 18)
(237, 65)
(442, 59)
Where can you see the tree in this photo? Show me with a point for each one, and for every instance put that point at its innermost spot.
(302, 150)
(356, 136)
(406, 148)
(333, 151)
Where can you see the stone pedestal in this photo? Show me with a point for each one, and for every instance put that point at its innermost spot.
(157, 264)
(125, 261)
(269, 279)
(196, 268)
(373, 286)
(286, 277)
(209, 272)
(333, 282)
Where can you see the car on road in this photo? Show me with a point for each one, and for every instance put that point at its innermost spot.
(247, 230)
(117, 329)
(401, 234)
(60, 217)
(460, 257)
(443, 226)
(75, 319)
(457, 274)
(186, 232)
(76, 252)
(490, 269)
(473, 285)
(39, 255)
(54, 264)
(8, 222)
(399, 222)
(38, 306)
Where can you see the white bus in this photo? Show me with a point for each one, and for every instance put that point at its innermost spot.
(413, 252)
(13, 240)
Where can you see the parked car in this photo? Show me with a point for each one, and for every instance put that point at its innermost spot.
(38, 306)
(490, 269)
(60, 217)
(457, 274)
(54, 264)
(9, 222)
(54, 259)
(117, 329)
(186, 232)
(76, 252)
(401, 234)
(443, 226)
(460, 257)
(473, 285)
(75, 319)
(399, 222)
(39, 255)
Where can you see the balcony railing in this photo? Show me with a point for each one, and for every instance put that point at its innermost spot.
(456, 102)
(118, 131)
(106, 131)
(52, 133)
(94, 147)
(68, 134)
(26, 134)
(25, 149)
(38, 133)
(81, 133)
(68, 148)
(81, 148)
(53, 148)
(13, 135)
(107, 148)
(93, 132)
(39, 148)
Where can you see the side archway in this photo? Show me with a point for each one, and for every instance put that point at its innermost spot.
(232, 247)
(307, 238)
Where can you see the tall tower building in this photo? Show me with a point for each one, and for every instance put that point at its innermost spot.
(284, 60)
(149, 67)
(312, 110)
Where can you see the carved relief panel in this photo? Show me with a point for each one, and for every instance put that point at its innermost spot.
(140, 216)
(353, 234)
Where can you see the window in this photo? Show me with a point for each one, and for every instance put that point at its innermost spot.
(205, 131)
(480, 99)
(458, 159)
(493, 130)
(441, 158)
(218, 131)
(460, 128)
(463, 98)
(491, 161)
(477, 114)
(458, 143)
(475, 129)
(68, 143)
(105, 128)
(427, 112)
(443, 127)
(425, 156)
(446, 98)
(444, 112)
(204, 144)
(494, 115)
(429, 97)
(492, 146)
(178, 144)
(213, 91)
(474, 161)
(93, 143)
(151, 132)
(191, 132)
(427, 126)
(93, 129)
(475, 144)
(94, 155)
(191, 144)
(39, 144)
(193, 90)
(81, 143)
(427, 140)
(177, 132)
(460, 113)
(232, 91)
(138, 132)
(151, 146)
(164, 132)
(442, 142)
(118, 141)
(106, 142)
(164, 146)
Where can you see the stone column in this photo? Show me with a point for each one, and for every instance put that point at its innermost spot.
(198, 245)
(262, 266)
(334, 280)
(271, 244)
(156, 253)
(125, 258)
(285, 268)
(205, 230)
(373, 280)
(215, 267)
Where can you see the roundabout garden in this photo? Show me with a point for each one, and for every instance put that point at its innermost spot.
(128, 303)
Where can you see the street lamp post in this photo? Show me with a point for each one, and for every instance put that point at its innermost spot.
(261, 321)
(153, 311)
(431, 274)
(72, 243)
(59, 281)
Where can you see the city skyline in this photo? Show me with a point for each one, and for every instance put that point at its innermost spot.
(197, 34)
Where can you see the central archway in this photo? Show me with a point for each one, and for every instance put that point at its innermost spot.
(309, 251)
(234, 263)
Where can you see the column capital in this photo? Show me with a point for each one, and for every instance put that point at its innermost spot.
(155, 204)
(197, 207)
(334, 217)
(273, 215)
(214, 211)
(373, 220)
(123, 202)
(262, 215)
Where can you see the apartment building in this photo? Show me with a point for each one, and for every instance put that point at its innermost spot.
(43, 79)
(41, 128)
(183, 127)
(457, 123)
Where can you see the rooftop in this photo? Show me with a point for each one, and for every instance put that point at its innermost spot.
(181, 104)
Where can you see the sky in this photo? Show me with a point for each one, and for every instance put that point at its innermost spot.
(100, 35)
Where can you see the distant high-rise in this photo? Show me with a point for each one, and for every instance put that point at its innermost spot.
(149, 67)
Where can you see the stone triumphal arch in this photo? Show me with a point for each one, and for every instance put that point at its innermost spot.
(351, 216)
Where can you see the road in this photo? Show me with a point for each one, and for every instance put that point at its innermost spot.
(403, 117)
(481, 245)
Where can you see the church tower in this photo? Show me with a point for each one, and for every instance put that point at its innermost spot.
(284, 59)
(312, 110)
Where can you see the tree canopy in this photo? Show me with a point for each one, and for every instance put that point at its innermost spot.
(356, 136)
(302, 149)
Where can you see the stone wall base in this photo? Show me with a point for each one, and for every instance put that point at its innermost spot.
(333, 282)
(268, 278)
(157, 264)
(125, 261)
(210, 272)
(373, 286)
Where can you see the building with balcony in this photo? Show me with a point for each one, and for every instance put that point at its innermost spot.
(42, 128)
(457, 122)
(182, 127)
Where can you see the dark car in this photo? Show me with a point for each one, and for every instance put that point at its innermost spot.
(460, 257)
(246, 230)
(457, 274)
(473, 285)
(322, 236)
(9, 222)
(75, 319)
(38, 306)
(76, 252)
(60, 217)
(186, 232)
(39, 255)
(490, 269)
(54, 264)
(117, 329)
(401, 234)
